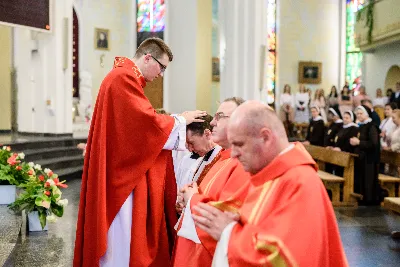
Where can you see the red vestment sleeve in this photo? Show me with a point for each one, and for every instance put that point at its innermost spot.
(125, 139)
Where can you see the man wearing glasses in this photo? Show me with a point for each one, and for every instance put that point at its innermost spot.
(224, 186)
(126, 204)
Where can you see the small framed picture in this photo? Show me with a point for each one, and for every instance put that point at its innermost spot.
(310, 72)
(102, 39)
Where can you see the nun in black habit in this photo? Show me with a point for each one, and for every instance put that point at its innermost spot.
(367, 146)
(349, 129)
(336, 124)
(316, 128)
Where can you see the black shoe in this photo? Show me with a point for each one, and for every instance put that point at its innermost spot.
(395, 234)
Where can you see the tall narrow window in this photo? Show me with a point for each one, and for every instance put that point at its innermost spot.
(353, 55)
(271, 54)
(150, 19)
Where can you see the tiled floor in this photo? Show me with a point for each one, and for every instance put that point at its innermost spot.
(365, 234)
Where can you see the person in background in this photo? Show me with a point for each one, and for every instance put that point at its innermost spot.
(287, 104)
(374, 116)
(361, 96)
(379, 103)
(367, 146)
(387, 126)
(316, 129)
(345, 100)
(349, 130)
(302, 99)
(333, 98)
(335, 125)
(395, 97)
(395, 135)
(319, 101)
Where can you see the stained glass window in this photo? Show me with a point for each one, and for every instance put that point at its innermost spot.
(271, 54)
(353, 55)
(150, 19)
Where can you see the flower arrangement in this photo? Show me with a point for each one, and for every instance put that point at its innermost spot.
(41, 188)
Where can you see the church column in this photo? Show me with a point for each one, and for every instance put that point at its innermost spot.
(187, 82)
(43, 63)
(242, 35)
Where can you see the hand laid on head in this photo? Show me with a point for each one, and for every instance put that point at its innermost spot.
(212, 220)
(188, 191)
(354, 141)
(306, 143)
(192, 116)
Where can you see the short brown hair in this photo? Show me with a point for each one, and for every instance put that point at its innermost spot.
(154, 46)
(237, 100)
(198, 128)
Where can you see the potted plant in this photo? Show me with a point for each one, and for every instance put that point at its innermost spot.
(13, 172)
(41, 198)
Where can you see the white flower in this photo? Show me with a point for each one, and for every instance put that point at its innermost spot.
(51, 218)
(21, 155)
(31, 164)
(63, 202)
(50, 181)
(4, 147)
(46, 170)
(45, 204)
(38, 167)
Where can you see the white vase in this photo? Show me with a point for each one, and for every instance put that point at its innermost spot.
(7, 194)
(34, 222)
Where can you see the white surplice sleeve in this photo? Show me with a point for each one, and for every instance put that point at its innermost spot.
(177, 137)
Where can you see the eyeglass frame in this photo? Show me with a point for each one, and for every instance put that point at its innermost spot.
(220, 115)
(162, 66)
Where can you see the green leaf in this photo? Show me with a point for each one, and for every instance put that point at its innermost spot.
(57, 210)
(42, 218)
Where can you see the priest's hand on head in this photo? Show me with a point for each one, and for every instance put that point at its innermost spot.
(192, 116)
(212, 220)
(188, 191)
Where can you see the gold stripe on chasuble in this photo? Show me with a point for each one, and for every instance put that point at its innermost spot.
(266, 192)
(277, 253)
(206, 190)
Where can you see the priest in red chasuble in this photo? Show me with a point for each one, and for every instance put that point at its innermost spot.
(127, 202)
(224, 186)
(287, 218)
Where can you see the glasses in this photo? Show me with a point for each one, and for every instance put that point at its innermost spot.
(220, 115)
(162, 66)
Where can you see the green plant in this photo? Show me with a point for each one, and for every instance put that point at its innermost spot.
(368, 13)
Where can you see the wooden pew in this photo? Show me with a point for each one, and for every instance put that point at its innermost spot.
(332, 182)
(392, 203)
(389, 182)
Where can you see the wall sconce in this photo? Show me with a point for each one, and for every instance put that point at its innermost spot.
(102, 60)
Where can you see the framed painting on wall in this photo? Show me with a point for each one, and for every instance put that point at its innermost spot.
(101, 39)
(310, 72)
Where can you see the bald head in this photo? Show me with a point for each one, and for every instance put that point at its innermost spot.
(256, 135)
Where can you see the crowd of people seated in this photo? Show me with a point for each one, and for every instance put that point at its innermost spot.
(352, 122)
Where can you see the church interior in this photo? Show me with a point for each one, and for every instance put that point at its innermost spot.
(295, 56)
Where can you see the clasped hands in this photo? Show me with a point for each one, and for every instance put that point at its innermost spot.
(208, 218)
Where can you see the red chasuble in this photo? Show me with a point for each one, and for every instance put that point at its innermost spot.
(124, 154)
(287, 219)
(225, 187)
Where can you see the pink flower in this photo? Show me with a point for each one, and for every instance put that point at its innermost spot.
(47, 184)
(47, 193)
(13, 160)
(46, 204)
(50, 173)
(18, 168)
(8, 148)
(30, 172)
(41, 178)
(57, 182)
